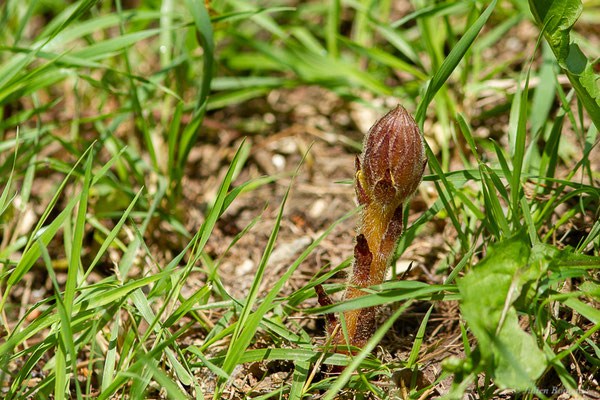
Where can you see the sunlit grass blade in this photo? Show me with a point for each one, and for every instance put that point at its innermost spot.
(467, 134)
(245, 328)
(9, 70)
(75, 260)
(449, 189)
(594, 233)
(111, 355)
(186, 306)
(451, 62)
(128, 258)
(172, 137)
(396, 38)
(63, 335)
(173, 391)
(384, 58)
(220, 203)
(299, 379)
(298, 355)
(205, 36)
(145, 358)
(440, 9)
(33, 253)
(109, 47)
(197, 244)
(416, 348)
(390, 292)
(518, 148)
(112, 235)
(7, 188)
(497, 218)
(332, 27)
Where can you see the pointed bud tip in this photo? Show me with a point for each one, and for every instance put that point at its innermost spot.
(394, 144)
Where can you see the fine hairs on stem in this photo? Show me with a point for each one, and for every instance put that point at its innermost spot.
(387, 173)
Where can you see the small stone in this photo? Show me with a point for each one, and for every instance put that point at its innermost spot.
(317, 208)
(245, 268)
(278, 161)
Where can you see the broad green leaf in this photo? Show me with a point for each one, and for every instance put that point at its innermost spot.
(489, 292)
(559, 16)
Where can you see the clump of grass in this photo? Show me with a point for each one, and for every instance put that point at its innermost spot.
(101, 106)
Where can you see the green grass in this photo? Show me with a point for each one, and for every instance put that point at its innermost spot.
(103, 105)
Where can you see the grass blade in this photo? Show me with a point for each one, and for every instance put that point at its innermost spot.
(451, 62)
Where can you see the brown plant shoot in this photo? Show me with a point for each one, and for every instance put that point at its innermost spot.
(387, 174)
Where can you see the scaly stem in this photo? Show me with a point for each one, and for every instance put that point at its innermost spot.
(387, 174)
(373, 252)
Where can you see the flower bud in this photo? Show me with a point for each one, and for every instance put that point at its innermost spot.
(393, 160)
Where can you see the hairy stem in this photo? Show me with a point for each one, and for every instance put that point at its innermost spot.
(387, 174)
